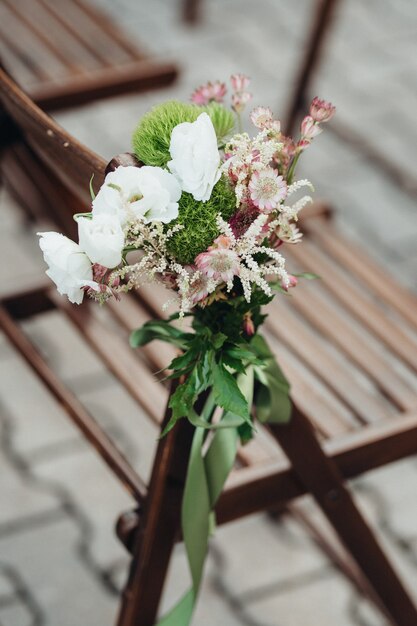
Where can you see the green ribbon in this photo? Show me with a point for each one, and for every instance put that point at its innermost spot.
(207, 473)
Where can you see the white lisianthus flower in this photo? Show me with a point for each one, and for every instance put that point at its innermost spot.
(102, 239)
(195, 157)
(69, 267)
(129, 193)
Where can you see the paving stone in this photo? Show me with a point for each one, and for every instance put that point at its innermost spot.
(276, 551)
(20, 498)
(94, 497)
(36, 419)
(48, 563)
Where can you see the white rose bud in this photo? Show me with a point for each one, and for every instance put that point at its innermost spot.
(102, 239)
(195, 157)
(150, 193)
(69, 268)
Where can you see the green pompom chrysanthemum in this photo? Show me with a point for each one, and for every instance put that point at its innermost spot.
(152, 137)
(199, 221)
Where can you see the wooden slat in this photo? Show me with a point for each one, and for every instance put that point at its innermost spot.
(355, 300)
(70, 161)
(24, 45)
(90, 29)
(85, 422)
(131, 77)
(118, 357)
(338, 328)
(359, 264)
(108, 26)
(253, 489)
(315, 353)
(314, 399)
(58, 40)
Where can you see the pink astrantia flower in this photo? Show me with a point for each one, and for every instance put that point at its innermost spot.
(240, 100)
(240, 82)
(321, 111)
(267, 189)
(261, 117)
(219, 264)
(199, 287)
(211, 92)
(309, 128)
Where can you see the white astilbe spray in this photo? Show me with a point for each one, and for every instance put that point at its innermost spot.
(247, 247)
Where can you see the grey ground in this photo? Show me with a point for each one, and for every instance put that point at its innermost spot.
(59, 562)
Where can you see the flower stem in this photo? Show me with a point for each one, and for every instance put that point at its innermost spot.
(291, 169)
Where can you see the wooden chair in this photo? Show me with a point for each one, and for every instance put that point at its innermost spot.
(66, 52)
(347, 344)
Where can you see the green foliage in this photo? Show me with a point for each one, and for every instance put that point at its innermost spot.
(152, 137)
(223, 119)
(199, 221)
(213, 356)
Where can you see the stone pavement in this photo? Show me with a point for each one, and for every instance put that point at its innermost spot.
(60, 564)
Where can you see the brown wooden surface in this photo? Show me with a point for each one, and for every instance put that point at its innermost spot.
(65, 53)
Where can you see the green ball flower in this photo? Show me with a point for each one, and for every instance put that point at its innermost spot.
(152, 137)
(199, 221)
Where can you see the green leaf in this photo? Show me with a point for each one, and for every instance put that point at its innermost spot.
(218, 340)
(272, 400)
(232, 362)
(161, 330)
(92, 194)
(232, 421)
(308, 276)
(186, 359)
(227, 393)
(277, 287)
(182, 400)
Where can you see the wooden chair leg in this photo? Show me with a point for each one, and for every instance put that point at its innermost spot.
(191, 11)
(321, 25)
(322, 478)
(158, 531)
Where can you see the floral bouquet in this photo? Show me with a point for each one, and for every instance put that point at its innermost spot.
(207, 214)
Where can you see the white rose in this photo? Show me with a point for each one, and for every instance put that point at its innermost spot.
(102, 239)
(69, 268)
(195, 157)
(130, 192)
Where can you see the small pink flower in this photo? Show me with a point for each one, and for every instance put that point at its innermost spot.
(261, 117)
(211, 92)
(321, 111)
(99, 272)
(240, 100)
(267, 189)
(240, 82)
(198, 286)
(219, 264)
(275, 127)
(309, 128)
(222, 241)
(292, 282)
(248, 325)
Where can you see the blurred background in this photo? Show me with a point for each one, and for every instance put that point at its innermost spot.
(59, 560)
